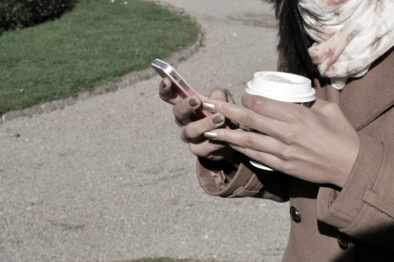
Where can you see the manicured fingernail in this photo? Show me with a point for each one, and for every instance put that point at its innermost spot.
(193, 102)
(163, 84)
(232, 145)
(217, 120)
(208, 106)
(211, 135)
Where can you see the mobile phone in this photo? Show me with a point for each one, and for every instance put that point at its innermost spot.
(179, 84)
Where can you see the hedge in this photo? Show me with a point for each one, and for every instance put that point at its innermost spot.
(17, 14)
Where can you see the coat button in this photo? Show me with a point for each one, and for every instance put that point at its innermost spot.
(295, 215)
(342, 241)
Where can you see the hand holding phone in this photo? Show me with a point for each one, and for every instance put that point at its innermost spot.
(181, 87)
(195, 125)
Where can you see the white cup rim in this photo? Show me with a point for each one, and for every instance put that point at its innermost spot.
(288, 91)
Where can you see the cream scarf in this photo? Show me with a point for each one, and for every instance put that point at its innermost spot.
(350, 35)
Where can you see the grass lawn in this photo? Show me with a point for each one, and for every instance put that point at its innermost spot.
(98, 41)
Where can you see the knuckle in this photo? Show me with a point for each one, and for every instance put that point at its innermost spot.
(248, 118)
(286, 153)
(295, 116)
(222, 135)
(220, 109)
(248, 141)
(258, 105)
(298, 114)
(303, 119)
(289, 137)
(260, 157)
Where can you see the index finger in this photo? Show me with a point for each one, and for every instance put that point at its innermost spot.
(244, 116)
(283, 111)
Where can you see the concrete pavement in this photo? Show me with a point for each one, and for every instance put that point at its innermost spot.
(108, 178)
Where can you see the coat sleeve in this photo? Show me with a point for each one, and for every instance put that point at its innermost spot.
(221, 179)
(364, 208)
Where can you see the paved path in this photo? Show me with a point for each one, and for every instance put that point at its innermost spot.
(108, 179)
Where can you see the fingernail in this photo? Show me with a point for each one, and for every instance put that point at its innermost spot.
(193, 102)
(217, 120)
(163, 84)
(211, 135)
(232, 145)
(208, 106)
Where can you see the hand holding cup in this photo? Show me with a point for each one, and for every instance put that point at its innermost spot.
(316, 144)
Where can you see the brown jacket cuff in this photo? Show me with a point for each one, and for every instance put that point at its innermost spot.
(364, 208)
(220, 179)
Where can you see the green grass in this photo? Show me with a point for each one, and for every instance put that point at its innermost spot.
(93, 44)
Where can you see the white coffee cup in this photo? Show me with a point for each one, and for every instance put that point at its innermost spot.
(283, 87)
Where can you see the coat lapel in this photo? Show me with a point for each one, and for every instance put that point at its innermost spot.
(364, 99)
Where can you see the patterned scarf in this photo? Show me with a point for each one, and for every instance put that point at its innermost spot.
(349, 34)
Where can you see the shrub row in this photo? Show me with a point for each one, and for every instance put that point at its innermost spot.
(17, 14)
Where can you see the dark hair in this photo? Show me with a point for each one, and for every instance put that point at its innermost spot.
(293, 40)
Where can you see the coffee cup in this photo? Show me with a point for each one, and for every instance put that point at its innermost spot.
(283, 87)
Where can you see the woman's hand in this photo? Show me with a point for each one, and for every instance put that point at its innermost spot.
(193, 128)
(317, 144)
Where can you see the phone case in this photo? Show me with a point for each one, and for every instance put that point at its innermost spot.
(184, 89)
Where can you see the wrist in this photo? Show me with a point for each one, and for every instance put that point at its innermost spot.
(347, 165)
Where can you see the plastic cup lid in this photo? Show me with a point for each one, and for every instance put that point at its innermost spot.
(281, 86)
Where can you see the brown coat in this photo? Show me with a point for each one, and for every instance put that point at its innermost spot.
(352, 224)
